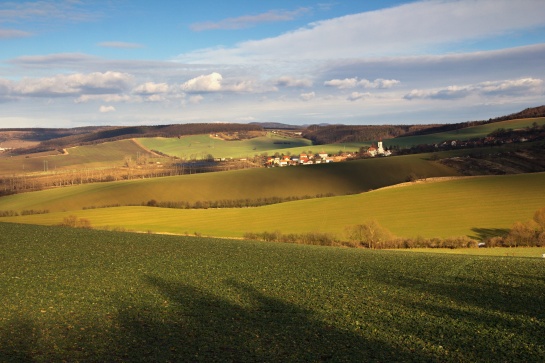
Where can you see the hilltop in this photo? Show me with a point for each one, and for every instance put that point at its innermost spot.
(33, 140)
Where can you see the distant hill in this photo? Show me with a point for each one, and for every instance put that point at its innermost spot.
(526, 113)
(532, 112)
(59, 139)
(277, 125)
(356, 133)
(330, 134)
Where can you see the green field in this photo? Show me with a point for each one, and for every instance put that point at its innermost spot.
(77, 295)
(477, 207)
(199, 146)
(494, 251)
(113, 154)
(337, 178)
(105, 155)
(463, 134)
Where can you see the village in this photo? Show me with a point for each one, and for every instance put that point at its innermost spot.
(323, 157)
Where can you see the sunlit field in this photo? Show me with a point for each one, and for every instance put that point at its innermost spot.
(478, 207)
(83, 295)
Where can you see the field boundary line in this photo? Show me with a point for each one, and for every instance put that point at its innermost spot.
(145, 148)
(428, 180)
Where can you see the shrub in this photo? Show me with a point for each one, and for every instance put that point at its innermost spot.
(32, 211)
(523, 234)
(310, 238)
(75, 222)
(370, 234)
(8, 213)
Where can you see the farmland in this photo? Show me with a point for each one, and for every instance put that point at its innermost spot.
(199, 146)
(465, 133)
(477, 207)
(104, 296)
(338, 179)
(110, 154)
(98, 294)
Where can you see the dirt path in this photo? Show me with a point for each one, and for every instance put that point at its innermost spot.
(145, 148)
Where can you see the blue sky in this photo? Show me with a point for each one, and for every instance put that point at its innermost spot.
(70, 63)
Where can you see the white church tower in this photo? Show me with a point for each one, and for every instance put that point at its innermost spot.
(380, 150)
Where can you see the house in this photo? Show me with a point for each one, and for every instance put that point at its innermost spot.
(323, 155)
(372, 151)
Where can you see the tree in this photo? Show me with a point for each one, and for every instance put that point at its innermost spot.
(370, 234)
(539, 218)
(522, 234)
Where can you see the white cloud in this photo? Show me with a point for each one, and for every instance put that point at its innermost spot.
(355, 96)
(151, 88)
(378, 83)
(364, 83)
(307, 96)
(247, 21)
(204, 83)
(414, 28)
(512, 87)
(342, 83)
(517, 87)
(106, 109)
(74, 84)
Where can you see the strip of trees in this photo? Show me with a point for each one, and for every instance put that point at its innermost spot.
(374, 236)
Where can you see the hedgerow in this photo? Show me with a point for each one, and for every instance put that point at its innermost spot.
(230, 203)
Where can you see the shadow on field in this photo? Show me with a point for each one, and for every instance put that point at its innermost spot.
(474, 313)
(203, 327)
(485, 233)
(18, 341)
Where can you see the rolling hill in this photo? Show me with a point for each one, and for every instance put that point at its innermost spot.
(303, 181)
(477, 207)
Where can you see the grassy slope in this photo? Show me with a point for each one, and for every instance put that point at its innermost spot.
(477, 207)
(75, 295)
(110, 154)
(200, 146)
(337, 178)
(463, 134)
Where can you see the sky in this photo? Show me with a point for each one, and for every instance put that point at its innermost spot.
(73, 63)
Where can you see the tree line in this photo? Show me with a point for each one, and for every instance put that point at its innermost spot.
(372, 235)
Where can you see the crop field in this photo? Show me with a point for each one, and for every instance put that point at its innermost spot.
(464, 134)
(79, 295)
(478, 207)
(336, 178)
(494, 251)
(199, 146)
(109, 154)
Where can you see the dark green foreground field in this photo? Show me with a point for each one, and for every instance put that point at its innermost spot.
(85, 295)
